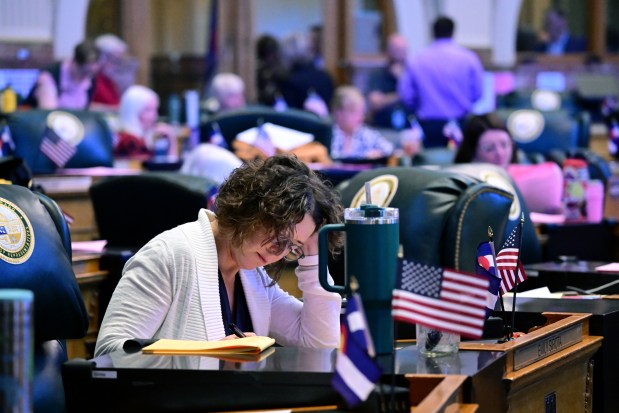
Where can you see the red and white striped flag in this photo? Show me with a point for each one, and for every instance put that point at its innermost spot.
(440, 299)
(506, 261)
(58, 150)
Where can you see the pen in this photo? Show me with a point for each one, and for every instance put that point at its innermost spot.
(237, 331)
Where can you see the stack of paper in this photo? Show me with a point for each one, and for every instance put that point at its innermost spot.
(612, 267)
(283, 138)
(245, 345)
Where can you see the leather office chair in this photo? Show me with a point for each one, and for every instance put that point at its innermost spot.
(131, 210)
(543, 100)
(557, 136)
(234, 122)
(87, 132)
(35, 228)
(535, 131)
(531, 250)
(15, 171)
(443, 215)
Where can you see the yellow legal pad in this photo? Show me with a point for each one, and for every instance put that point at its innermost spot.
(245, 345)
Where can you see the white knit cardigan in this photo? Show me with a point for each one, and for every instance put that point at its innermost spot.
(170, 289)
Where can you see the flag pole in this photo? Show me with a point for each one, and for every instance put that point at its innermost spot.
(511, 332)
(354, 286)
(491, 243)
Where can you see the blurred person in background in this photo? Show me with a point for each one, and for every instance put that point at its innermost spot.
(555, 38)
(67, 84)
(385, 107)
(210, 161)
(441, 83)
(305, 86)
(352, 138)
(140, 134)
(270, 71)
(116, 73)
(486, 139)
(227, 93)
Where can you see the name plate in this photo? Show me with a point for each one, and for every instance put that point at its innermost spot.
(546, 346)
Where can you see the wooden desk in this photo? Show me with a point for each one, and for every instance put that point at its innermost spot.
(497, 377)
(71, 195)
(69, 188)
(603, 322)
(549, 367)
(557, 276)
(287, 377)
(89, 278)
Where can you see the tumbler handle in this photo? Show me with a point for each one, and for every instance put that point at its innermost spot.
(323, 258)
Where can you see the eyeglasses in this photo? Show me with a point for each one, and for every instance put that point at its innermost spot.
(295, 251)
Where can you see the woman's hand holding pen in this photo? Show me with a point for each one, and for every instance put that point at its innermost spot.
(234, 336)
(237, 333)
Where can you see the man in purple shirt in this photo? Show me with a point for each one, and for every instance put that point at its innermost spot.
(442, 82)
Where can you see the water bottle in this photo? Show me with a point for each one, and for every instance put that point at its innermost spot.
(372, 243)
(174, 109)
(16, 350)
(9, 99)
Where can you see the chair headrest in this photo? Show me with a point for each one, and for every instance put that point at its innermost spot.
(33, 256)
(427, 199)
(498, 177)
(86, 138)
(152, 203)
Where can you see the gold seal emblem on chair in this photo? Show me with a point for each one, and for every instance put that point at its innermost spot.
(16, 236)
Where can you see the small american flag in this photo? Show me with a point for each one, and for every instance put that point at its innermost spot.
(440, 299)
(56, 149)
(506, 261)
(263, 141)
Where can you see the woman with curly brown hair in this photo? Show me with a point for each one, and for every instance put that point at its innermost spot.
(191, 282)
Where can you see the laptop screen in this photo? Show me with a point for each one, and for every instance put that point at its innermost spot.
(21, 80)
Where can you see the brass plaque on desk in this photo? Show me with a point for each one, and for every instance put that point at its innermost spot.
(546, 346)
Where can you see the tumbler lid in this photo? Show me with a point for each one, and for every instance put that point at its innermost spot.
(370, 213)
(10, 294)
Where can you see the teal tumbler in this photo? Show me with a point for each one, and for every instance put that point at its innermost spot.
(370, 255)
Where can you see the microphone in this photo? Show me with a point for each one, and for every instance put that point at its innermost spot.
(592, 290)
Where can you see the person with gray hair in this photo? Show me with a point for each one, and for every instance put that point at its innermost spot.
(139, 131)
(210, 161)
(352, 138)
(303, 77)
(227, 93)
(117, 72)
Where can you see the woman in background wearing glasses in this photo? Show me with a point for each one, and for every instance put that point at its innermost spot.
(486, 139)
(193, 281)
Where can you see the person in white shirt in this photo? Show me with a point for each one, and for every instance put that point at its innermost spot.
(193, 281)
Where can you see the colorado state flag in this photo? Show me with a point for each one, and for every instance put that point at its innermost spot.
(356, 371)
(485, 266)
